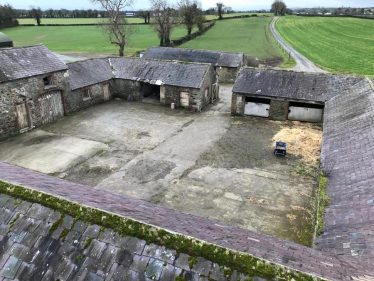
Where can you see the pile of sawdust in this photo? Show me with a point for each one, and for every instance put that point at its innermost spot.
(303, 140)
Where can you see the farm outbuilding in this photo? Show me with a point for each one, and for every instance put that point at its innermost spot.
(5, 41)
(285, 95)
(227, 65)
(89, 83)
(32, 83)
(188, 85)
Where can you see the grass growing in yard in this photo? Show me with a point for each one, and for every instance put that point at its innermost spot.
(84, 39)
(344, 45)
(249, 35)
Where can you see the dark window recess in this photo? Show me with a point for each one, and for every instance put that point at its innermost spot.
(309, 105)
(47, 80)
(257, 100)
(86, 94)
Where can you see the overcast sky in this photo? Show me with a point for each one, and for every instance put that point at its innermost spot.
(235, 4)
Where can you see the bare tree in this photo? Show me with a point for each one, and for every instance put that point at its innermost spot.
(164, 19)
(189, 12)
(278, 8)
(37, 15)
(220, 10)
(146, 15)
(117, 28)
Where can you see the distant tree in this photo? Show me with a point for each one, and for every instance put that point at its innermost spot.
(278, 8)
(220, 10)
(191, 14)
(164, 19)
(146, 15)
(117, 28)
(7, 16)
(37, 15)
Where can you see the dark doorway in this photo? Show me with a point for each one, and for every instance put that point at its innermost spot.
(149, 91)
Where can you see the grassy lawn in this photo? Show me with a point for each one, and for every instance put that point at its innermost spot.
(98, 20)
(84, 39)
(344, 45)
(250, 36)
(74, 20)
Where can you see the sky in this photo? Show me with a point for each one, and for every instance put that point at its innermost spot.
(235, 4)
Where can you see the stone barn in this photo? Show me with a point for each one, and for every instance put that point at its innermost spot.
(227, 65)
(5, 41)
(188, 85)
(89, 83)
(286, 95)
(32, 84)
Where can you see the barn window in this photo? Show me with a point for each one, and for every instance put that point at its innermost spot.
(86, 94)
(47, 80)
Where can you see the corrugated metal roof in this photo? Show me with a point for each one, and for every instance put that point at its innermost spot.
(17, 63)
(317, 87)
(89, 72)
(213, 57)
(190, 75)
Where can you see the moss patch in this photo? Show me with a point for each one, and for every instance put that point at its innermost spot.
(242, 262)
(57, 224)
(323, 201)
(192, 261)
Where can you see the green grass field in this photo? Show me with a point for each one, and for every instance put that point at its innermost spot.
(98, 20)
(344, 45)
(84, 39)
(250, 36)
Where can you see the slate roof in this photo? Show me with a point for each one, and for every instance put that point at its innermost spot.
(18, 63)
(189, 75)
(223, 59)
(89, 72)
(348, 157)
(302, 86)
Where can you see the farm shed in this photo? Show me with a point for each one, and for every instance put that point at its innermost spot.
(282, 95)
(89, 83)
(5, 41)
(188, 85)
(227, 65)
(32, 83)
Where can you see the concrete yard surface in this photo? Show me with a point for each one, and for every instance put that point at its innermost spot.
(209, 164)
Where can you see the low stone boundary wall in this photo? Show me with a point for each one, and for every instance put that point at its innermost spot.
(238, 249)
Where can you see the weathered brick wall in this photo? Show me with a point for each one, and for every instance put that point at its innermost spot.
(75, 101)
(227, 74)
(278, 110)
(20, 91)
(126, 89)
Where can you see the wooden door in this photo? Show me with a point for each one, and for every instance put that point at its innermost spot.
(185, 99)
(51, 107)
(22, 116)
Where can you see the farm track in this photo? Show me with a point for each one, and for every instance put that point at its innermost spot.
(302, 63)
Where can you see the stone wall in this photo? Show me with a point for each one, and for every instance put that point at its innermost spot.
(227, 74)
(278, 110)
(25, 91)
(75, 100)
(237, 104)
(126, 89)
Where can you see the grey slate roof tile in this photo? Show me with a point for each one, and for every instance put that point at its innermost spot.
(89, 72)
(347, 156)
(318, 87)
(189, 75)
(18, 63)
(216, 58)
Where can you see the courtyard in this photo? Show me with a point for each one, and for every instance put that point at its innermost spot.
(210, 164)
